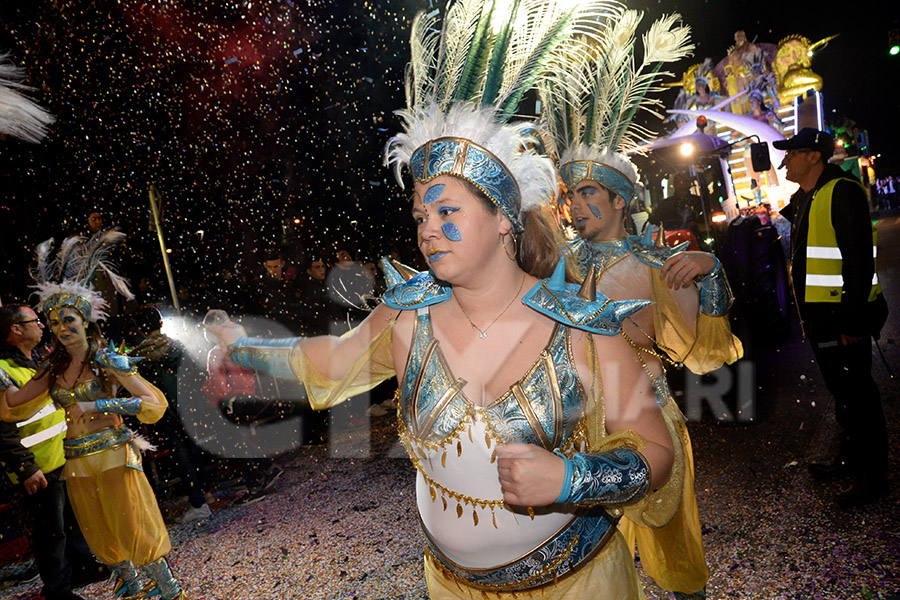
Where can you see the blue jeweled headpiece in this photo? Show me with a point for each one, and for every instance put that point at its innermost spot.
(469, 161)
(575, 172)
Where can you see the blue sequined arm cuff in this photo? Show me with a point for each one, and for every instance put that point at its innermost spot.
(715, 293)
(6, 381)
(619, 476)
(119, 406)
(272, 356)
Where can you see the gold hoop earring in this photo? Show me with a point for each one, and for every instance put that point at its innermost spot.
(515, 251)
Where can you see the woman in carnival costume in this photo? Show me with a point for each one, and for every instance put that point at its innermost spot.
(588, 111)
(530, 421)
(112, 500)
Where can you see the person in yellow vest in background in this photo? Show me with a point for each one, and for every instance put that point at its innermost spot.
(833, 252)
(31, 453)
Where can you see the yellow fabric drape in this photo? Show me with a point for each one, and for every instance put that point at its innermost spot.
(673, 554)
(370, 368)
(116, 508)
(151, 413)
(702, 348)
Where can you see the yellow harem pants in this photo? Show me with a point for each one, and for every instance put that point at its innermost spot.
(116, 508)
(608, 576)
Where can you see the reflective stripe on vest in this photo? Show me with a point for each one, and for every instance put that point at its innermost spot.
(42, 432)
(824, 262)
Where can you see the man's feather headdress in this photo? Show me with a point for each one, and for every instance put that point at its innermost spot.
(64, 279)
(465, 81)
(589, 106)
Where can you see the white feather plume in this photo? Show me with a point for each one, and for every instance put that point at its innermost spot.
(75, 265)
(589, 108)
(20, 116)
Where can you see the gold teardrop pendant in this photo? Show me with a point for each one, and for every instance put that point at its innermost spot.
(459, 510)
(433, 494)
(444, 459)
(475, 516)
(458, 448)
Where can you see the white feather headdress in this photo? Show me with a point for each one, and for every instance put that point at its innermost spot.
(64, 280)
(20, 116)
(589, 105)
(465, 81)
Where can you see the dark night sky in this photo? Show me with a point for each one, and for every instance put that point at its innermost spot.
(248, 115)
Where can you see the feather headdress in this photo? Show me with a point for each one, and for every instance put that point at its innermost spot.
(589, 106)
(465, 81)
(64, 279)
(20, 116)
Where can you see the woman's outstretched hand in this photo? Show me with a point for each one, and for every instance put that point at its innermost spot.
(227, 332)
(529, 475)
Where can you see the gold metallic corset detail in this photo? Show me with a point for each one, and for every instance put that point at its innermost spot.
(86, 391)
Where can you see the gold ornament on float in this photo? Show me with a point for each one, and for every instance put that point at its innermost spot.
(793, 67)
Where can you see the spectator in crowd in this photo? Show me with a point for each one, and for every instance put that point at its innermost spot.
(162, 357)
(276, 294)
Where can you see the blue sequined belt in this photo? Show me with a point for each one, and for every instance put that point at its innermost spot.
(561, 555)
(98, 441)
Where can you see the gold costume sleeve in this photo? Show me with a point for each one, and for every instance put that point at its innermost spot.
(703, 347)
(151, 413)
(371, 367)
(23, 412)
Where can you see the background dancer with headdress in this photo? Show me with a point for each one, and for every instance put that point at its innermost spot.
(110, 495)
(588, 108)
(525, 457)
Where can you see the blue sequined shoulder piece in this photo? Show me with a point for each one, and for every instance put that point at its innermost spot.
(419, 291)
(648, 252)
(560, 301)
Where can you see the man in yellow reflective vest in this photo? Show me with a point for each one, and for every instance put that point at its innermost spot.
(836, 288)
(31, 453)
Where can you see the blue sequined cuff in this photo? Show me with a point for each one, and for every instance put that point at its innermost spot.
(619, 476)
(6, 381)
(715, 293)
(119, 406)
(272, 356)
(567, 478)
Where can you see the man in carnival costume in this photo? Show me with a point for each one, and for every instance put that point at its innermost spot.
(111, 498)
(518, 487)
(588, 109)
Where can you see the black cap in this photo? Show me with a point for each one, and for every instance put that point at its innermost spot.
(809, 139)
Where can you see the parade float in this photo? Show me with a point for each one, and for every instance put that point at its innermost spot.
(759, 92)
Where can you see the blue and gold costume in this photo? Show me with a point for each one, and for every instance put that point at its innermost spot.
(471, 536)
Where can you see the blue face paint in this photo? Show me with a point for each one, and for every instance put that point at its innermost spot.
(72, 330)
(452, 232)
(433, 193)
(437, 257)
(595, 210)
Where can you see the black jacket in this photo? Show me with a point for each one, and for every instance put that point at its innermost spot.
(826, 321)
